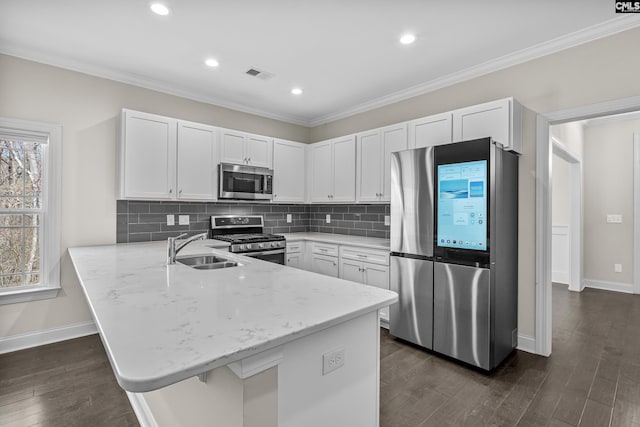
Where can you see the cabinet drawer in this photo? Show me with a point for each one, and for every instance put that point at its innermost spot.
(325, 249)
(366, 255)
(294, 247)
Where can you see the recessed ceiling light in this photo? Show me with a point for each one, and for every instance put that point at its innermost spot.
(407, 39)
(212, 62)
(296, 91)
(159, 9)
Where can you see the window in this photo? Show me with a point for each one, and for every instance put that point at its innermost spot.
(29, 210)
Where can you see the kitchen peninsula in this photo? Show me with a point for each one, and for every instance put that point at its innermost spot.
(271, 345)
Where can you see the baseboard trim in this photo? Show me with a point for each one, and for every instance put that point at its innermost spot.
(141, 409)
(527, 343)
(626, 288)
(47, 336)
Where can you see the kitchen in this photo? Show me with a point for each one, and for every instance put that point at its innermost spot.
(89, 110)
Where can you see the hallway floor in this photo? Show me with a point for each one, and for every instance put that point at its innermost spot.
(591, 379)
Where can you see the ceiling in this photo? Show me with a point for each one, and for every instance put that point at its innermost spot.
(344, 54)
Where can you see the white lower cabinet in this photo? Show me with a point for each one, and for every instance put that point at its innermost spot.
(295, 255)
(366, 266)
(324, 258)
(324, 264)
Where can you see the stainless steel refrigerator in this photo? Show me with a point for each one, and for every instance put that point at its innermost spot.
(454, 250)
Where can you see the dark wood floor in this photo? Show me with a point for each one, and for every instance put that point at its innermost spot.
(591, 379)
(64, 384)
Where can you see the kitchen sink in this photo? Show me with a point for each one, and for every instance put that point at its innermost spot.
(206, 262)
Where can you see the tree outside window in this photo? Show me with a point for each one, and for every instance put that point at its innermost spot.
(20, 212)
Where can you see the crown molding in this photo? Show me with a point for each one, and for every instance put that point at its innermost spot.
(595, 32)
(607, 28)
(616, 118)
(140, 81)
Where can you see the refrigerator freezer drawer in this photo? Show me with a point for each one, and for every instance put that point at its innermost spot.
(411, 318)
(462, 322)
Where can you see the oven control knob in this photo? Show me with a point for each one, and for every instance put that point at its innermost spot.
(261, 245)
(241, 247)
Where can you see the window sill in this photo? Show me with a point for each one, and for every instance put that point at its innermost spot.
(25, 295)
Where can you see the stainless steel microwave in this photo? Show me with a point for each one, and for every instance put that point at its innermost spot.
(244, 182)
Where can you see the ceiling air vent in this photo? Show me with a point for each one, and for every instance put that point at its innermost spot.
(262, 75)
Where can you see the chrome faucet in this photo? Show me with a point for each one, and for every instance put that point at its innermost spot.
(173, 248)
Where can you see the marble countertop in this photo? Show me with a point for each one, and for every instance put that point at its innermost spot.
(340, 239)
(162, 324)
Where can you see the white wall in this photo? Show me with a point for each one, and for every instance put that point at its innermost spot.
(587, 74)
(88, 109)
(608, 184)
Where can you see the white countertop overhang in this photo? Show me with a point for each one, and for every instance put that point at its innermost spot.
(162, 324)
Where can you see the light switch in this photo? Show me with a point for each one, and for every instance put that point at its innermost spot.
(328, 219)
(289, 219)
(387, 220)
(614, 219)
(171, 220)
(183, 219)
(617, 268)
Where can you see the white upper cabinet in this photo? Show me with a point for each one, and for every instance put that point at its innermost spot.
(197, 161)
(147, 156)
(374, 161)
(333, 169)
(288, 171)
(431, 131)
(500, 120)
(245, 148)
(165, 159)
(344, 169)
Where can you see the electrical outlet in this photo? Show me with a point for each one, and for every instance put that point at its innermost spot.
(289, 218)
(614, 219)
(171, 220)
(387, 220)
(183, 219)
(328, 219)
(332, 361)
(617, 268)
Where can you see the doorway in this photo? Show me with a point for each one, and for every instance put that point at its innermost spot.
(544, 150)
(566, 215)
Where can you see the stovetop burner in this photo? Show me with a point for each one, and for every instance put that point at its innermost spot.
(245, 234)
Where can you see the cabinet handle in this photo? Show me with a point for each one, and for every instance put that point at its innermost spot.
(249, 160)
(334, 263)
(361, 255)
(180, 191)
(170, 190)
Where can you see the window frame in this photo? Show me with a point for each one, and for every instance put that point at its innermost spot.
(51, 206)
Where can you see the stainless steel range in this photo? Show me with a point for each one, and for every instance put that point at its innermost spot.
(246, 237)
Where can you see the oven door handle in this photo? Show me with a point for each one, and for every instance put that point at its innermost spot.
(255, 254)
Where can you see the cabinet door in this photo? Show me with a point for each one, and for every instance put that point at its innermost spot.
(294, 260)
(344, 169)
(197, 162)
(323, 264)
(232, 146)
(351, 270)
(288, 171)
(431, 131)
(480, 121)
(258, 151)
(394, 138)
(148, 156)
(369, 170)
(321, 172)
(376, 275)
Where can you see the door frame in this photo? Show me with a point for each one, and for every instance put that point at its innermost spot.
(544, 150)
(636, 212)
(575, 216)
